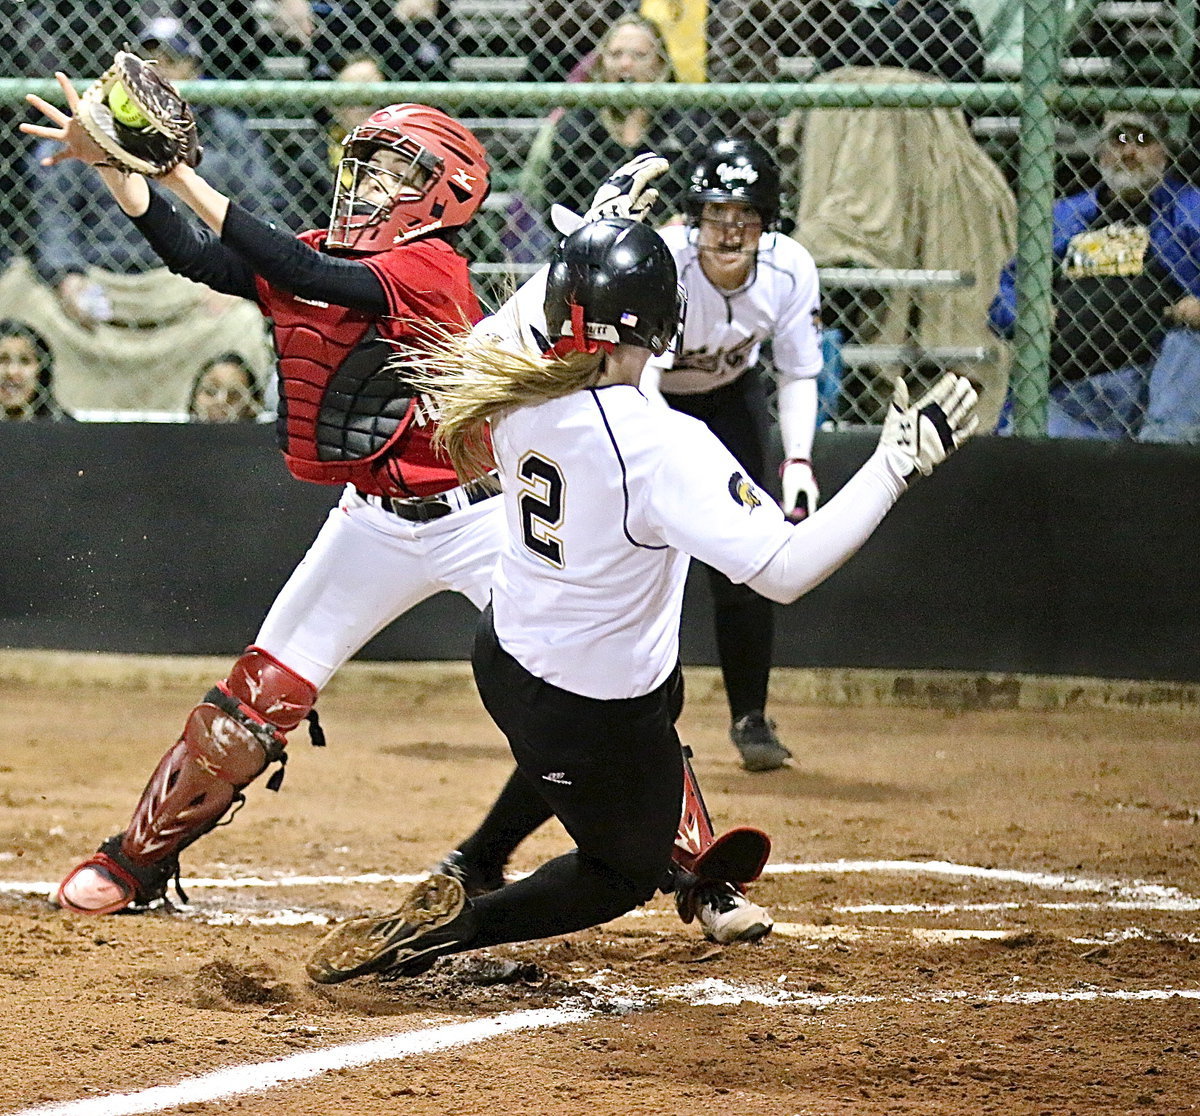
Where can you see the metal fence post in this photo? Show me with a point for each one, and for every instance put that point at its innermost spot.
(1035, 203)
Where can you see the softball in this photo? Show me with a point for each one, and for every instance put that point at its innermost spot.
(124, 110)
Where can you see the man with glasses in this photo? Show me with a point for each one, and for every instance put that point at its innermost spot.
(745, 284)
(1125, 355)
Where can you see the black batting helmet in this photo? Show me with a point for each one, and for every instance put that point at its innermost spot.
(735, 170)
(612, 282)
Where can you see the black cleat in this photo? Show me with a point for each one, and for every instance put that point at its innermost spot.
(435, 917)
(755, 739)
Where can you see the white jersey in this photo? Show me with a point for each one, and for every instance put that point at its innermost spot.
(606, 495)
(724, 330)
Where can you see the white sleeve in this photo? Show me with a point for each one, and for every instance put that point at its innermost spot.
(825, 540)
(796, 339)
(701, 502)
(797, 417)
(521, 321)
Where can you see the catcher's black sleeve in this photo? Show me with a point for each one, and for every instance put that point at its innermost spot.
(193, 250)
(290, 264)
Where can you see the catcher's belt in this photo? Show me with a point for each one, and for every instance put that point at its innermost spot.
(435, 507)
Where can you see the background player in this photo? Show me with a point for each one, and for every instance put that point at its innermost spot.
(577, 657)
(343, 301)
(745, 284)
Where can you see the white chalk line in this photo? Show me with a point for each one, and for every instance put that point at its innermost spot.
(715, 991)
(1136, 891)
(260, 1077)
(1136, 933)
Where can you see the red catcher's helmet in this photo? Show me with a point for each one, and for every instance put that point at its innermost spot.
(443, 181)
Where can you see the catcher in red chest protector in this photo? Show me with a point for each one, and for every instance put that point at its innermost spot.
(342, 301)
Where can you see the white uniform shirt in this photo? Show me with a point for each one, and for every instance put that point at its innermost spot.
(606, 495)
(724, 330)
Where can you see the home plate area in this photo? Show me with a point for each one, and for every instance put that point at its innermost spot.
(976, 912)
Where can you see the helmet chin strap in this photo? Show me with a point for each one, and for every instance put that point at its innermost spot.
(578, 342)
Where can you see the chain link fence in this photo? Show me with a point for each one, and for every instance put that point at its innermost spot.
(905, 132)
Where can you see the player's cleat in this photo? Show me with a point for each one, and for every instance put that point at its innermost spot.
(755, 739)
(435, 917)
(725, 914)
(108, 882)
(475, 880)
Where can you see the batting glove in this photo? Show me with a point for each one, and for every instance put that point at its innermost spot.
(626, 192)
(922, 435)
(799, 489)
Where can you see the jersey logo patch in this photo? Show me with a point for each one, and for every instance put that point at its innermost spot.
(559, 777)
(742, 491)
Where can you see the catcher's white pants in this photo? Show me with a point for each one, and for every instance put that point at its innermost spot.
(365, 568)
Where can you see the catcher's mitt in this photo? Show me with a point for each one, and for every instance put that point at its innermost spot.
(139, 118)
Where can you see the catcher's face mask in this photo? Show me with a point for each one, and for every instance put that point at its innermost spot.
(371, 184)
(381, 199)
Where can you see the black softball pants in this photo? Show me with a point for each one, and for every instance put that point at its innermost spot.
(612, 772)
(743, 621)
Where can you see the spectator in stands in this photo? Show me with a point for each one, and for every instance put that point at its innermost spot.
(909, 188)
(343, 119)
(26, 376)
(561, 41)
(576, 148)
(225, 390)
(36, 37)
(307, 154)
(926, 36)
(413, 40)
(1125, 358)
(76, 231)
(102, 271)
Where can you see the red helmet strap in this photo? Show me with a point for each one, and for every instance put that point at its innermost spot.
(578, 341)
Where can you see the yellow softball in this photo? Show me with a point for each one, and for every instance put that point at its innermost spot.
(124, 109)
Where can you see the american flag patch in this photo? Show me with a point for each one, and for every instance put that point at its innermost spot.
(628, 319)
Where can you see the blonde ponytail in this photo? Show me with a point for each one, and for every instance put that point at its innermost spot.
(472, 380)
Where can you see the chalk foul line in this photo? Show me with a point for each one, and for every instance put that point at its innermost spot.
(258, 1077)
(1135, 892)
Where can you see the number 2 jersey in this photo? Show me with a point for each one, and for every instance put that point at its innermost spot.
(606, 494)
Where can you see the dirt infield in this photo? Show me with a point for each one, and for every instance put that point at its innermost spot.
(987, 894)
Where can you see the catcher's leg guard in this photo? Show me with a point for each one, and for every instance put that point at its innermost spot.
(228, 741)
(710, 873)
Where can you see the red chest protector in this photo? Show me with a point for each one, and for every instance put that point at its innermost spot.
(344, 417)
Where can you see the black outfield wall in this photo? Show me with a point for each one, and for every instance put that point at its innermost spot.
(1048, 558)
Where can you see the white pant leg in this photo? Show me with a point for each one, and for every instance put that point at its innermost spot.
(462, 549)
(365, 568)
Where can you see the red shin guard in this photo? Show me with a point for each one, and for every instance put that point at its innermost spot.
(229, 739)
